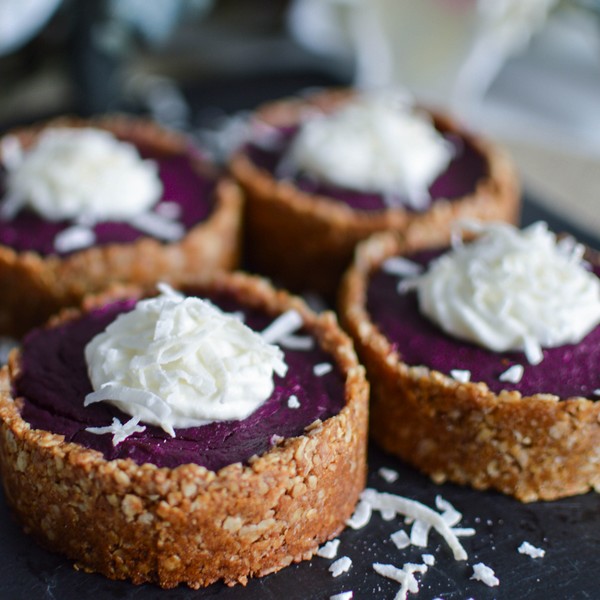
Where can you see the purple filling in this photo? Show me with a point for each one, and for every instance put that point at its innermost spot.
(54, 383)
(460, 178)
(183, 184)
(570, 370)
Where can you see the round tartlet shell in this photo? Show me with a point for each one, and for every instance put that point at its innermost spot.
(188, 524)
(306, 241)
(35, 286)
(540, 447)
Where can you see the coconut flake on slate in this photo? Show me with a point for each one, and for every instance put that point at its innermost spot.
(531, 550)
(389, 475)
(485, 574)
(329, 549)
(341, 565)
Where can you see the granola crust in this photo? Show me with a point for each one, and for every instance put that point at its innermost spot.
(307, 241)
(188, 524)
(540, 447)
(35, 286)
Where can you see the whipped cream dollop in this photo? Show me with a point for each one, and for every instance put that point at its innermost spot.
(80, 173)
(375, 143)
(512, 290)
(177, 362)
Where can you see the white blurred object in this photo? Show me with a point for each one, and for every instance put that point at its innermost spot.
(20, 20)
(446, 52)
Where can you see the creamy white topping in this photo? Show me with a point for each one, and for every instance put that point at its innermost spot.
(176, 361)
(73, 172)
(512, 290)
(377, 143)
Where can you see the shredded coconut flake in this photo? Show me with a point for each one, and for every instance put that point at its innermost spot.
(531, 550)
(417, 511)
(461, 375)
(485, 574)
(341, 565)
(428, 559)
(284, 325)
(450, 515)
(513, 374)
(404, 576)
(158, 226)
(419, 533)
(389, 475)
(297, 342)
(322, 369)
(120, 431)
(596, 392)
(400, 539)
(402, 267)
(329, 549)
(74, 238)
(362, 515)
(293, 402)
(342, 596)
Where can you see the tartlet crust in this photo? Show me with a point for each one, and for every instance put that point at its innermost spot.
(36, 286)
(306, 241)
(189, 524)
(540, 447)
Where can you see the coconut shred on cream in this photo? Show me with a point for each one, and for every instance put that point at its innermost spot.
(512, 289)
(178, 362)
(376, 143)
(74, 173)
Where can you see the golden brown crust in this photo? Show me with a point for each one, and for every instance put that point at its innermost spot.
(535, 448)
(188, 524)
(307, 241)
(38, 285)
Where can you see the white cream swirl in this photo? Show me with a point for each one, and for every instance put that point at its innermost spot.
(176, 361)
(376, 143)
(512, 290)
(75, 173)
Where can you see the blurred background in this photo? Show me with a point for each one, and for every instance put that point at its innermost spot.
(524, 72)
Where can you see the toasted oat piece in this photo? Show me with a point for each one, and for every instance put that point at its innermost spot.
(189, 524)
(306, 241)
(35, 286)
(540, 447)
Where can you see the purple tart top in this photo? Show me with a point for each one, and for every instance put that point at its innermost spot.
(568, 370)
(185, 200)
(54, 382)
(459, 179)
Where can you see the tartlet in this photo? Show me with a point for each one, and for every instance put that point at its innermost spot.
(305, 237)
(536, 438)
(37, 279)
(189, 524)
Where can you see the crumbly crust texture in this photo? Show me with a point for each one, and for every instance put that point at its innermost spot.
(307, 241)
(35, 286)
(188, 524)
(540, 447)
